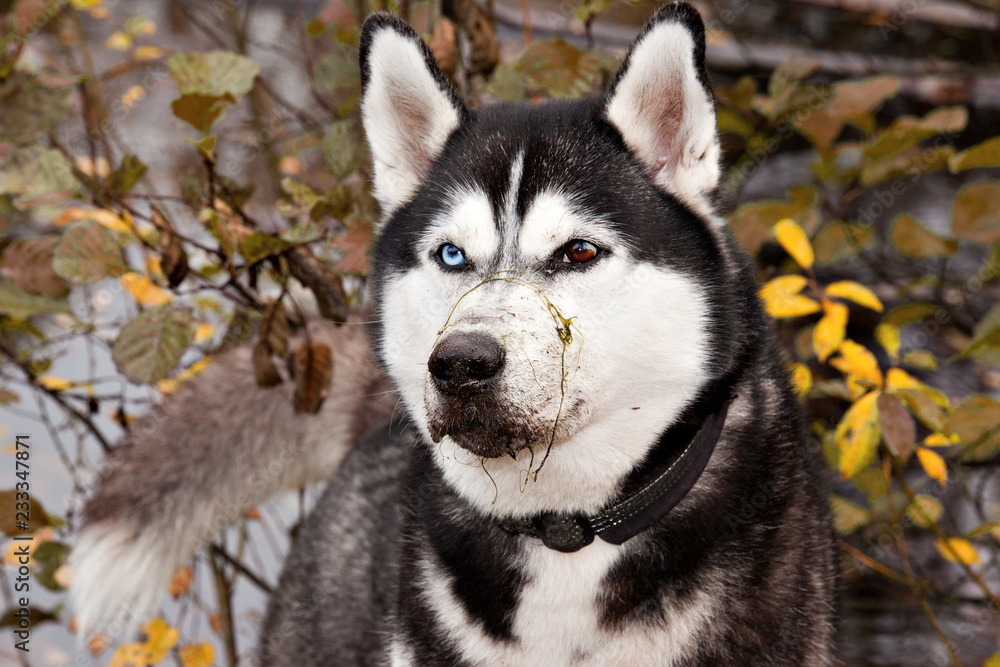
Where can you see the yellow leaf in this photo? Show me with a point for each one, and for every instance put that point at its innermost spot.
(782, 299)
(958, 550)
(198, 655)
(830, 330)
(856, 292)
(795, 242)
(53, 383)
(887, 335)
(130, 655)
(897, 378)
(801, 378)
(160, 638)
(204, 332)
(109, 219)
(144, 290)
(860, 367)
(941, 440)
(85, 4)
(148, 53)
(934, 465)
(118, 41)
(133, 95)
(858, 435)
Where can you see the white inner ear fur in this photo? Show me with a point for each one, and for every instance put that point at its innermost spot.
(665, 116)
(407, 117)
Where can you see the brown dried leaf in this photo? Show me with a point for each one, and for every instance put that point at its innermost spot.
(274, 330)
(444, 45)
(98, 644)
(180, 581)
(897, 425)
(264, 371)
(28, 264)
(174, 258)
(312, 363)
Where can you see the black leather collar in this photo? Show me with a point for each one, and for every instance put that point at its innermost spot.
(626, 517)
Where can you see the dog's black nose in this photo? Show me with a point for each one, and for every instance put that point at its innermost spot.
(466, 363)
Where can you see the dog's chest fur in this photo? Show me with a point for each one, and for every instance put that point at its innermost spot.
(560, 614)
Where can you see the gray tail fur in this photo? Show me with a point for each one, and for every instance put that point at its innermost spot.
(211, 452)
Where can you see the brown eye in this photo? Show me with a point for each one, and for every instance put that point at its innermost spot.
(579, 252)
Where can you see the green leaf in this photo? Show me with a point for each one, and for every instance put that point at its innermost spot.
(986, 154)
(15, 302)
(506, 85)
(560, 69)
(257, 246)
(201, 111)
(124, 178)
(28, 263)
(341, 149)
(910, 162)
(841, 240)
(38, 174)
(975, 214)
(301, 234)
(30, 109)
(151, 345)
(88, 252)
(913, 239)
(983, 344)
(218, 74)
(976, 420)
(847, 516)
(303, 195)
(909, 313)
(924, 511)
(50, 556)
(908, 131)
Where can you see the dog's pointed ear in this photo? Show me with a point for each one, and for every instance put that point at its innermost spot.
(662, 104)
(407, 106)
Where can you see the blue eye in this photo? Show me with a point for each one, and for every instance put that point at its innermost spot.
(451, 256)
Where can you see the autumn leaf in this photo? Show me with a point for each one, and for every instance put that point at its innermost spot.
(856, 292)
(887, 335)
(312, 363)
(859, 365)
(830, 331)
(180, 581)
(925, 510)
(801, 378)
(354, 244)
(795, 242)
(144, 290)
(958, 550)
(782, 299)
(898, 429)
(847, 516)
(858, 435)
(160, 638)
(197, 655)
(933, 465)
(913, 239)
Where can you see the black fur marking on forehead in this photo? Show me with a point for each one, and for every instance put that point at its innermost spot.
(567, 148)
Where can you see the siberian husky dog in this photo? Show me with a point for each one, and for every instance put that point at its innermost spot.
(600, 460)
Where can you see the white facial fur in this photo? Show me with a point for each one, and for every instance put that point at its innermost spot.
(637, 355)
(666, 117)
(407, 117)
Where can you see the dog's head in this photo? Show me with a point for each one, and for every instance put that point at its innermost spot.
(547, 273)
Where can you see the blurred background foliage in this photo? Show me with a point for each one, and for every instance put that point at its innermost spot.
(179, 177)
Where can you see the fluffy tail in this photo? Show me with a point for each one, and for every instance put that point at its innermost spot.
(214, 450)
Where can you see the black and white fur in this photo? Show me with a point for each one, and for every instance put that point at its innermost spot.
(599, 371)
